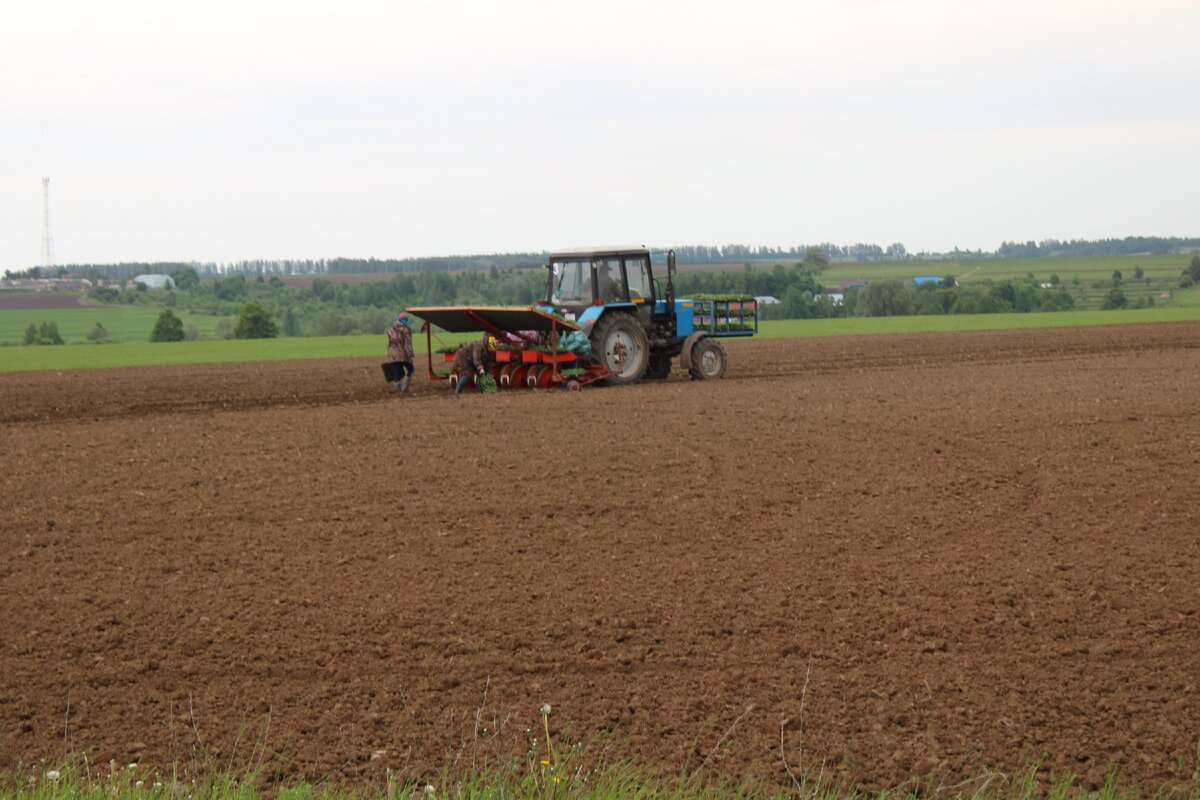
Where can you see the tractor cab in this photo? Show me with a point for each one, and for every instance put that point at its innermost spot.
(584, 283)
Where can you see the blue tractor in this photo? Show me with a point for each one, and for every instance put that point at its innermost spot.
(633, 320)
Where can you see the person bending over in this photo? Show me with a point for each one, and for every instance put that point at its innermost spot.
(474, 359)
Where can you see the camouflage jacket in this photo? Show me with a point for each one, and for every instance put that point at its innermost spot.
(400, 346)
(473, 355)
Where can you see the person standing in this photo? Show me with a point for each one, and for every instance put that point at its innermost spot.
(399, 369)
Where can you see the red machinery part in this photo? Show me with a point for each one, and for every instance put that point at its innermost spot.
(518, 375)
(539, 376)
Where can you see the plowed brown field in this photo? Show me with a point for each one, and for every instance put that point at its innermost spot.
(955, 551)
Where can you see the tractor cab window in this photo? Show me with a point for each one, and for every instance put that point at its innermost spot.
(638, 272)
(608, 280)
(571, 283)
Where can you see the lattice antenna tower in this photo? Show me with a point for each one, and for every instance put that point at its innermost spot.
(47, 239)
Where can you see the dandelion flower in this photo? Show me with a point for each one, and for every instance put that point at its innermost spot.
(545, 762)
(53, 775)
(557, 779)
(546, 710)
(429, 790)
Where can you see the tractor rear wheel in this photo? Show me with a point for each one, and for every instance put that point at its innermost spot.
(708, 360)
(619, 343)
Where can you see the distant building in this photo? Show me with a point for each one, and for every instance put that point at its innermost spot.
(152, 282)
(924, 279)
(845, 286)
(46, 284)
(767, 300)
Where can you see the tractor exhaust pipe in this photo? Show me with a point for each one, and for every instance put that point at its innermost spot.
(671, 280)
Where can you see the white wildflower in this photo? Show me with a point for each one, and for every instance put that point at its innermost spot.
(429, 790)
(546, 710)
(53, 775)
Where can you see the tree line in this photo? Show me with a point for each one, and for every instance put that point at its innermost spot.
(685, 254)
(328, 307)
(1129, 246)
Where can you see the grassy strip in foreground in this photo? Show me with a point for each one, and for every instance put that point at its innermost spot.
(138, 354)
(537, 781)
(846, 326)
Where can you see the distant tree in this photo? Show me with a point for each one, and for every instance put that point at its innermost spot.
(1114, 299)
(230, 288)
(322, 288)
(291, 325)
(98, 334)
(48, 333)
(795, 304)
(1138, 272)
(31, 335)
(185, 279)
(223, 328)
(1193, 269)
(104, 294)
(887, 298)
(816, 259)
(1116, 278)
(255, 322)
(1054, 279)
(168, 327)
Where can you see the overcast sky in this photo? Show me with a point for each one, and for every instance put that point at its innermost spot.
(215, 130)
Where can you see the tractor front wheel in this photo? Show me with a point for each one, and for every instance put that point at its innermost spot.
(708, 360)
(619, 343)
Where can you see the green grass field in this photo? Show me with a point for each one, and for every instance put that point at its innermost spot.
(1087, 278)
(123, 323)
(793, 328)
(88, 356)
(1088, 268)
(136, 354)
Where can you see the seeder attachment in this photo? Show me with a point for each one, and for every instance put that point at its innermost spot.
(529, 356)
